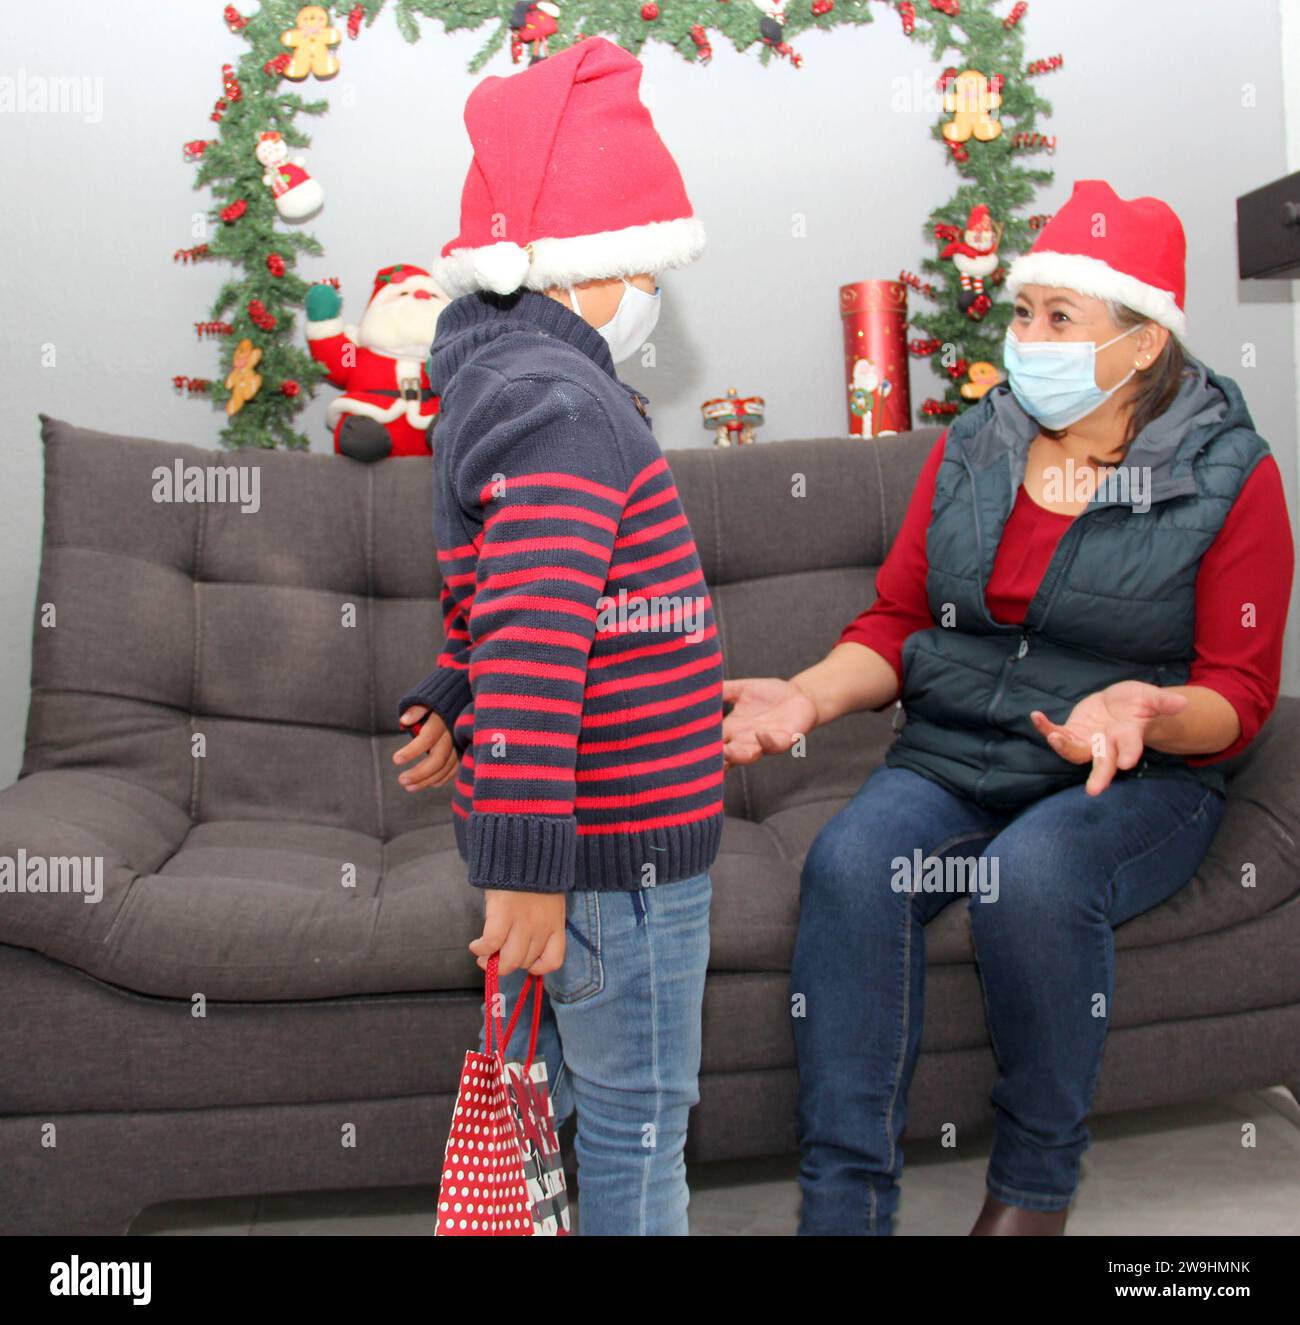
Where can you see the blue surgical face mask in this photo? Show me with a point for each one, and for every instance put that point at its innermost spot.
(1056, 381)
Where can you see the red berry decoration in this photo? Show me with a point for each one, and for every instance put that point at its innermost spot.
(979, 308)
(290, 387)
(275, 68)
(230, 84)
(275, 264)
(232, 213)
(235, 21)
(355, 15)
(650, 11)
(820, 7)
(195, 149)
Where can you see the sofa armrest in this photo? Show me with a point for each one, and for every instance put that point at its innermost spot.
(72, 842)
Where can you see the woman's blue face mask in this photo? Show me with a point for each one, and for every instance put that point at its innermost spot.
(1056, 381)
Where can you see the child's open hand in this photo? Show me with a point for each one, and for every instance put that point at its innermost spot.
(433, 742)
(527, 929)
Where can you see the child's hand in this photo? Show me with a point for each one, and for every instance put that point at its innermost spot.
(527, 929)
(434, 742)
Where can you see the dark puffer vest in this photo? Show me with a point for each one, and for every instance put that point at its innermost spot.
(1117, 602)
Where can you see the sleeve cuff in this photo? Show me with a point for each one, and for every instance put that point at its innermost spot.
(522, 852)
(445, 691)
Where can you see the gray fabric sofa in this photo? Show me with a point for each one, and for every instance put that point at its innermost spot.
(274, 993)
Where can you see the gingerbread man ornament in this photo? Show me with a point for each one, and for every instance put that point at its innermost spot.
(310, 42)
(971, 102)
(244, 381)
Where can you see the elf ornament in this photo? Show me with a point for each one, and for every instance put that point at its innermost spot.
(975, 255)
(310, 43)
(530, 25)
(387, 405)
(297, 195)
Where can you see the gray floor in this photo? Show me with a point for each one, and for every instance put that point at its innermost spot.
(1187, 1169)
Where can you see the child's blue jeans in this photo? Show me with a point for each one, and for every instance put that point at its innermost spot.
(1069, 867)
(620, 1034)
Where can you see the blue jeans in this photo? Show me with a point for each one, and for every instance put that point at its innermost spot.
(620, 1033)
(1063, 872)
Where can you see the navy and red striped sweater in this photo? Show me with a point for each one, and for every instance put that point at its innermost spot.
(582, 674)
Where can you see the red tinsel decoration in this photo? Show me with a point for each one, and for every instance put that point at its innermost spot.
(958, 369)
(193, 385)
(202, 329)
(950, 7)
(257, 311)
(1032, 141)
(355, 15)
(923, 348)
(1016, 14)
(907, 12)
(232, 213)
(275, 67)
(230, 83)
(1045, 66)
(703, 50)
(275, 264)
(917, 284)
(188, 255)
(235, 21)
(195, 148)
(290, 387)
(820, 7)
(938, 408)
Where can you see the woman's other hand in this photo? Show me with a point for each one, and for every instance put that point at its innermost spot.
(768, 715)
(1108, 728)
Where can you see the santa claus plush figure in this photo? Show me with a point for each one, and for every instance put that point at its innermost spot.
(975, 255)
(387, 406)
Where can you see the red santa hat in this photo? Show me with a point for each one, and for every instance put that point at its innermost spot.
(570, 181)
(1132, 250)
(394, 275)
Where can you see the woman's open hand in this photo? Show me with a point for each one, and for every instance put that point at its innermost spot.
(1108, 728)
(769, 714)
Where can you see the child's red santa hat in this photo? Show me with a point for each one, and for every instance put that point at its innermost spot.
(1131, 250)
(570, 181)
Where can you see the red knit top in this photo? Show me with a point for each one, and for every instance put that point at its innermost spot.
(1251, 561)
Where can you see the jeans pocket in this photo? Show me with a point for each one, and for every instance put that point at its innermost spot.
(582, 974)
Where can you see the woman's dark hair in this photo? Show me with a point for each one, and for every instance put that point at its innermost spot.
(1154, 388)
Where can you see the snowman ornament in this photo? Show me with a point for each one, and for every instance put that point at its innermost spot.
(297, 195)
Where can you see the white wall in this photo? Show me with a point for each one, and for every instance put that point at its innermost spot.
(1150, 98)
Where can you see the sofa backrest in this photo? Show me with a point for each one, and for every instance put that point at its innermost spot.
(246, 663)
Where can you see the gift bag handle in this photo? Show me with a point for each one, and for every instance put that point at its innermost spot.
(532, 985)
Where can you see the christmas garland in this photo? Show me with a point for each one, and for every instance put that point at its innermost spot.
(267, 376)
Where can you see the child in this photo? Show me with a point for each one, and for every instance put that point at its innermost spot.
(581, 683)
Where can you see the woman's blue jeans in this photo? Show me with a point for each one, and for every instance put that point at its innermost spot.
(1044, 887)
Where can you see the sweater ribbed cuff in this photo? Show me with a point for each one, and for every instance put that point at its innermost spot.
(522, 852)
(446, 692)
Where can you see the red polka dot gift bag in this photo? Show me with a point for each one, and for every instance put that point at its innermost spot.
(502, 1174)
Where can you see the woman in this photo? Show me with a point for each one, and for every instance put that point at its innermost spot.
(1085, 606)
